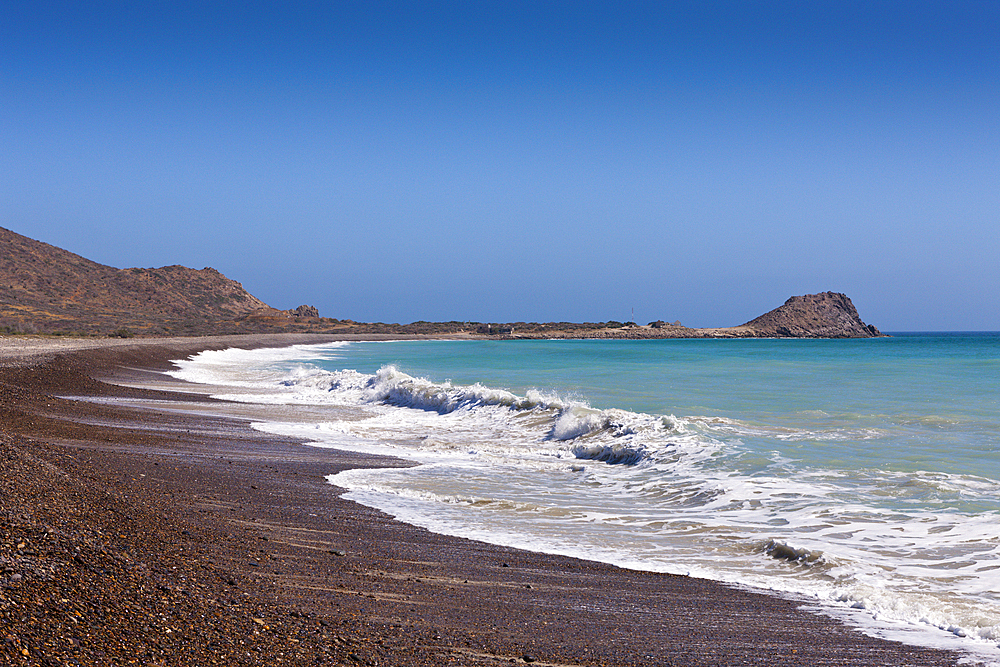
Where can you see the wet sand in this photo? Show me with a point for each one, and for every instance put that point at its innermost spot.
(159, 537)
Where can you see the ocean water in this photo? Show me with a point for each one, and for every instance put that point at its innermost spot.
(861, 476)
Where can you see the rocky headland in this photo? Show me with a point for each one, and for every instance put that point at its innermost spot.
(823, 315)
(47, 290)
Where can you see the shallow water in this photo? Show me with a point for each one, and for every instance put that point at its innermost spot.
(861, 474)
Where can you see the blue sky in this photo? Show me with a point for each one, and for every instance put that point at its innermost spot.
(504, 161)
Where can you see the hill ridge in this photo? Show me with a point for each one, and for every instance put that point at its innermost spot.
(42, 285)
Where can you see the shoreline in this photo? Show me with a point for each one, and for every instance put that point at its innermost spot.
(144, 521)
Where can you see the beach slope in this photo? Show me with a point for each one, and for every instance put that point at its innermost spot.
(155, 527)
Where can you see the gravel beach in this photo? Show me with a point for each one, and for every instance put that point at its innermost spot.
(152, 536)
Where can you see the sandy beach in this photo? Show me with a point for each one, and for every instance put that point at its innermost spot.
(169, 535)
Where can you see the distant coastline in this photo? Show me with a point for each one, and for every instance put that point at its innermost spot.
(47, 290)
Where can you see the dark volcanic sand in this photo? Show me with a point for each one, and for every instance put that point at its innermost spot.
(155, 538)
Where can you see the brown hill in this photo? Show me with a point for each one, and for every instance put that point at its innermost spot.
(824, 315)
(44, 289)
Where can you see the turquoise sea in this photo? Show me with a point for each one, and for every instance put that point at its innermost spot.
(860, 476)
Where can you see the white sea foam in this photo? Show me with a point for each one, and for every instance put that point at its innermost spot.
(679, 494)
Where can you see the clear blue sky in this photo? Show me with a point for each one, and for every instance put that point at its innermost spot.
(504, 161)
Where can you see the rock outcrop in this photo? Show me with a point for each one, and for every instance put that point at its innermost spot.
(304, 311)
(824, 315)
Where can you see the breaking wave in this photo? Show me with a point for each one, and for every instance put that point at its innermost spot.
(782, 551)
(391, 386)
(611, 436)
(799, 502)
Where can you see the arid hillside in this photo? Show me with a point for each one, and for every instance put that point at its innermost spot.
(46, 289)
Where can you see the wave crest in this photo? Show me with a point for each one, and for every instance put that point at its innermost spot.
(613, 436)
(394, 387)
